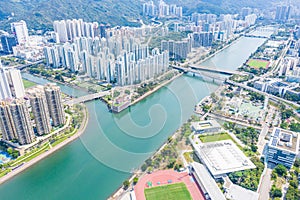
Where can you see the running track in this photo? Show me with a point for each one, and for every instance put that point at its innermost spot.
(163, 177)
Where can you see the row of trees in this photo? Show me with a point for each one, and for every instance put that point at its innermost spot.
(248, 136)
(279, 171)
(254, 96)
(293, 192)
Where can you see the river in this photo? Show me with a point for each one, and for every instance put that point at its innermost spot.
(113, 145)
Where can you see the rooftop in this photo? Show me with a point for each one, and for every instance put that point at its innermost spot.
(206, 124)
(284, 140)
(223, 157)
(236, 192)
(207, 183)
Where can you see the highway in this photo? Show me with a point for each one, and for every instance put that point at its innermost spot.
(194, 69)
(278, 99)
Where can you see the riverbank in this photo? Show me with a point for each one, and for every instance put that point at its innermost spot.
(49, 152)
(155, 89)
(103, 177)
(218, 51)
(120, 192)
(57, 81)
(225, 47)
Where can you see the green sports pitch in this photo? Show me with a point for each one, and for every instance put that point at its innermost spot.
(255, 63)
(168, 192)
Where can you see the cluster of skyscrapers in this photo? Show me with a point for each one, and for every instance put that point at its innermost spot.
(206, 28)
(283, 13)
(162, 10)
(223, 26)
(68, 30)
(178, 50)
(44, 102)
(119, 58)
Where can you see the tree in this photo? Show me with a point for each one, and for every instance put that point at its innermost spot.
(59, 78)
(116, 93)
(280, 170)
(144, 167)
(127, 92)
(295, 127)
(297, 162)
(254, 148)
(275, 192)
(126, 184)
(285, 114)
(284, 125)
(135, 180)
(172, 162)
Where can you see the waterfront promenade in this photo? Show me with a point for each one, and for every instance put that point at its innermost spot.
(155, 89)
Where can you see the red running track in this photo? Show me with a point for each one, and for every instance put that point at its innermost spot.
(162, 177)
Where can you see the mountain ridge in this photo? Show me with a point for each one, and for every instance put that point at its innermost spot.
(115, 12)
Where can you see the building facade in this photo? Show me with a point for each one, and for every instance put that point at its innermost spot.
(20, 31)
(40, 110)
(55, 106)
(21, 121)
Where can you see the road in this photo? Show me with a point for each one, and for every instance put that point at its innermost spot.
(261, 139)
(213, 115)
(261, 92)
(265, 185)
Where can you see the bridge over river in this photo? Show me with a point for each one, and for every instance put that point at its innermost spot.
(194, 69)
(87, 98)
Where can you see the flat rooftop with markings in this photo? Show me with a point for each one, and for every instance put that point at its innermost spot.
(223, 157)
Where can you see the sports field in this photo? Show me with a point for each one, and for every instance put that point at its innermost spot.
(168, 192)
(255, 63)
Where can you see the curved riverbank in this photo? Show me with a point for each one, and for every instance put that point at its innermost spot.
(220, 50)
(155, 89)
(49, 152)
(75, 174)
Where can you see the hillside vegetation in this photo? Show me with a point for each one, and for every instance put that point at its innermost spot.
(41, 13)
(222, 6)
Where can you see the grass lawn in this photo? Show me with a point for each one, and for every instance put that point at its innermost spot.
(168, 192)
(214, 138)
(28, 84)
(254, 63)
(86, 85)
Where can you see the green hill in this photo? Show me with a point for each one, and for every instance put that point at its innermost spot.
(223, 6)
(41, 13)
